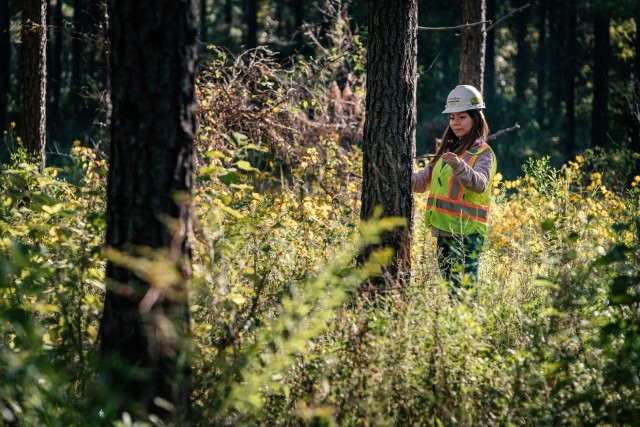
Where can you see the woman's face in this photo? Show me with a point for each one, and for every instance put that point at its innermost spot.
(460, 123)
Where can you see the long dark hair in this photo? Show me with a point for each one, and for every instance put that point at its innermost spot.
(450, 142)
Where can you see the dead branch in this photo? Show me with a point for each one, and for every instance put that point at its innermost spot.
(513, 12)
(501, 132)
(454, 28)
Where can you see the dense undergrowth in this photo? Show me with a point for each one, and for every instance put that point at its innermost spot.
(549, 336)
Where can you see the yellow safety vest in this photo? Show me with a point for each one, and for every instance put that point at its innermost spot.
(453, 208)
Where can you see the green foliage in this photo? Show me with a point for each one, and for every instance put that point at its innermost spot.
(51, 287)
(280, 337)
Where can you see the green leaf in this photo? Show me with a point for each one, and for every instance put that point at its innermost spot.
(548, 225)
(245, 166)
(229, 178)
(214, 154)
(618, 253)
(573, 237)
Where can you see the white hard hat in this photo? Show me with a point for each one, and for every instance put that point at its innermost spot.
(463, 98)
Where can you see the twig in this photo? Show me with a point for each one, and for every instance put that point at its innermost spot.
(493, 136)
(432, 63)
(513, 12)
(455, 27)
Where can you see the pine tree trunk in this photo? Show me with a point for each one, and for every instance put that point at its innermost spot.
(521, 60)
(5, 61)
(601, 55)
(55, 74)
(489, 83)
(389, 131)
(569, 77)
(34, 101)
(77, 59)
(298, 8)
(542, 63)
(557, 34)
(203, 37)
(149, 192)
(635, 130)
(251, 22)
(228, 17)
(473, 44)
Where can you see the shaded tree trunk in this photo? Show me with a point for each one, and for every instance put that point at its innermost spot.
(570, 69)
(601, 58)
(149, 205)
(635, 131)
(92, 37)
(521, 60)
(541, 107)
(77, 60)
(557, 59)
(389, 131)
(473, 44)
(204, 38)
(490, 61)
(34, 101)
(5, 61)
(298, 12)
(636, 62)
(228, 17)
(251, 22)
(55, 71)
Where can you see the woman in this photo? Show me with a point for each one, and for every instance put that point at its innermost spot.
(459, 182)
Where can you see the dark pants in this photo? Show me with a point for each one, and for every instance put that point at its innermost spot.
(458, 256)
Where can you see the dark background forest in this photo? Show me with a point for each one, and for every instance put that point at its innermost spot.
(564, 71)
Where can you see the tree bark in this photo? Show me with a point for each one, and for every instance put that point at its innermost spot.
(251, 22)
(34, 101)
(569, 77)
(521, 60)
(5, 61)
(228, 17)
(543, 11)
(557, 51)
(55, 72)
(204, 37)
(77, 46)
(635, 109)
(473, 44)
(601, 58)
(489, 82)
(389, 131)
(298, 11)
(149, 205)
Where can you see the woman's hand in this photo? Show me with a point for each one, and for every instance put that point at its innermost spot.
(451, 159)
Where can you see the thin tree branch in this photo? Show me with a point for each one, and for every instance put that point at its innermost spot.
(454, 28)
(501, 132)
(491, 137)
(513, 12)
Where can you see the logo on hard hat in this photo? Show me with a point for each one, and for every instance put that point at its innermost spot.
(475, 100)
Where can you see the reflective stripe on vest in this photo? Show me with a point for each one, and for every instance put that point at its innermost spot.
(452, 204)
(458, 208)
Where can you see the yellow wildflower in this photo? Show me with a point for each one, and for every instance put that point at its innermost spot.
(13, 125)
